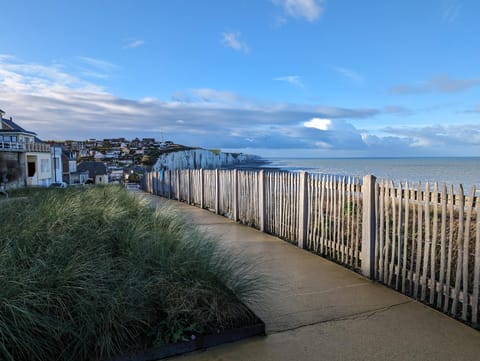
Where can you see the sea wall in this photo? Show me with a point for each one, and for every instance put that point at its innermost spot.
(200, 158)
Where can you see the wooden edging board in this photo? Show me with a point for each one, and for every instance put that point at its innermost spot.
(201, 342)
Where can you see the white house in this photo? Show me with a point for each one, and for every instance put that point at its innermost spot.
(33, 157)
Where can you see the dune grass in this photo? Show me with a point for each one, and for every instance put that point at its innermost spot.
(90, 273)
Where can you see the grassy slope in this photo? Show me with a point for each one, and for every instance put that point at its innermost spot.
(89, 273)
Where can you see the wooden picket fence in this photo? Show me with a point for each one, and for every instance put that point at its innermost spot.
(428, 245)
(422, 241)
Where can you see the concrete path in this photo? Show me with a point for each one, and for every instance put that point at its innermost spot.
(318, 310)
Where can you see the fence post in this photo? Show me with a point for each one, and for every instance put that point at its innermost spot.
(155, 188)
(170, 191)
(189, 191)
(150, 183)
(303, 211)
(202, 189)
(235, 195)
(162, 179)
(217, 191)
(261, 199)
(368, 227)
(177, 180)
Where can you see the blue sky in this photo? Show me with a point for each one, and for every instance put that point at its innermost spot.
(310, 78)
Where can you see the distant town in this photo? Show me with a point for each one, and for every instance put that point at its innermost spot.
(26, 160)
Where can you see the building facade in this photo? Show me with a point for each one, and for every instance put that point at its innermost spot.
(24, 159)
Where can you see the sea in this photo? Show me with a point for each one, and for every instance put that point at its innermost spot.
(449, 170)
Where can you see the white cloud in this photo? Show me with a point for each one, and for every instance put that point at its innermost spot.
(292, 79)
(306, 9)
(132, 43)
(440, 84)
(349, 74)
(20, 77)
(98, 63)
(319, 123)
(215, 96)
(57, 105)
(450, 10)
(94, 68)
(232, 40)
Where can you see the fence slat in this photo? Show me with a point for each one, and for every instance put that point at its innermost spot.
(399, 235)
(386, 268)
(411, 280)
(359, 207)
(393, 234)
(443, 202)
(458, 273)
(349, 222)
(405, 237)
(426, 249)
(466, 249)
(433, 251)
(381, 252)
(419, 241)
(450, 249)
(476, 272)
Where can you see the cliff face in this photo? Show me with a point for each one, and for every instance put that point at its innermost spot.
(200, 158)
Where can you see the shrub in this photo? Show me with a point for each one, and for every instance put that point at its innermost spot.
(89, 273)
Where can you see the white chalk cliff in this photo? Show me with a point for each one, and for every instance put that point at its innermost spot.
(200, 158)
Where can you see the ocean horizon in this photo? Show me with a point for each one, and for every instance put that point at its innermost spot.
(449, 170)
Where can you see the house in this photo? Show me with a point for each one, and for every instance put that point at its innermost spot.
(115, 173)
(25, 159)
(97, 172)
(148, 141)
(70, 173)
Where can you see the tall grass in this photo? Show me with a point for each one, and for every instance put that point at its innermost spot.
(89, 273)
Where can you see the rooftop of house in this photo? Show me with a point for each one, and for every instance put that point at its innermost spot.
(93, 168)
(10, 126)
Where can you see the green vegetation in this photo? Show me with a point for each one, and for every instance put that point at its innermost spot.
(89, 273)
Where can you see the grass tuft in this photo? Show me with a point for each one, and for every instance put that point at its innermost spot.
(86, 274)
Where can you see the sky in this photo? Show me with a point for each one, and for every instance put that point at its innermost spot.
(277, 78)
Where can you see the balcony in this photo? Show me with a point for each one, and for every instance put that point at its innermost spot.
(24, 147)
(37, 147)
(12, 146)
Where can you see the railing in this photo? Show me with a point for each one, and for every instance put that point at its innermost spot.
(422, 241)
(24, 147)
(37, 147)
(12, 146)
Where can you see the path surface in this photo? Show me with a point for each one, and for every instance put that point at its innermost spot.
(318, 310)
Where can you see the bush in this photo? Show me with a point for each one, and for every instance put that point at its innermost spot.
(89, 273)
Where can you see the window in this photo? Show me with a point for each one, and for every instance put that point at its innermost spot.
(44, 165)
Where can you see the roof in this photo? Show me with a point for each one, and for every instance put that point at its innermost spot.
(93, 168)
(14, 126)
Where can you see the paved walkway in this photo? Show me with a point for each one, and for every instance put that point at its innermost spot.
(318, 310)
